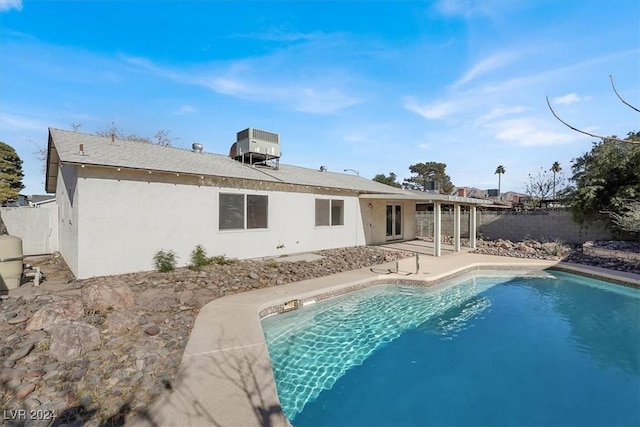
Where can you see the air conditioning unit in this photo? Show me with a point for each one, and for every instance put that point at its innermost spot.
(255, 145)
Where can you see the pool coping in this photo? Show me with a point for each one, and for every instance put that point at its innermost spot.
(225, 377)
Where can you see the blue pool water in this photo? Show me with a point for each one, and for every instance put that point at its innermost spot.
(534, 349)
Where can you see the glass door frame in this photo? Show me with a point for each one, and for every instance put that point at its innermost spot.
(393, 221)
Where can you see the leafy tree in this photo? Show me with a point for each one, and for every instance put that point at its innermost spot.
(500, 170)
(606, 178)
(555, 168)
(10, 174)
(541, 186)
(426, 172)
(389, 180)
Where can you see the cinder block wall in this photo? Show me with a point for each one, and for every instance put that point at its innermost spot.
(516, 226)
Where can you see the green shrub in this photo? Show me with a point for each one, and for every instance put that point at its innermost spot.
(199, 258)
(223, 260)
(165, 261)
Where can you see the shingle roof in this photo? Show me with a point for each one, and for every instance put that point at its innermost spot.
(102, 151)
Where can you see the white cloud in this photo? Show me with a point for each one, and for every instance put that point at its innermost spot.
(311, 100)
(528, 132)
(471, 8)
(248, 79)
(281, 34)
(569, 98)
(15, 122)
(499, 112)
(185, 109)
(439, 110)
(6, 5)
(455, 7)
(488, 64)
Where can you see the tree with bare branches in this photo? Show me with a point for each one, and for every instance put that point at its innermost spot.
(601, 137)
(542, 185)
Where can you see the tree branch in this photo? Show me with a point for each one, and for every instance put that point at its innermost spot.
(619, 97)
(610, 138)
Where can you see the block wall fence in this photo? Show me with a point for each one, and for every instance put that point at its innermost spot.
(516, 226)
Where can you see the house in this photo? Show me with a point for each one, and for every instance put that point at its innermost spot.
(120, 202)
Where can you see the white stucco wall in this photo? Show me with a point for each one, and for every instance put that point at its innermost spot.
(123, 223)
(374, 218)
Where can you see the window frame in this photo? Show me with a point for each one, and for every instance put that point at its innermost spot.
(247, 223)
(330, 206)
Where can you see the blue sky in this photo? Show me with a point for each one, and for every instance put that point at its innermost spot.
(371, 86)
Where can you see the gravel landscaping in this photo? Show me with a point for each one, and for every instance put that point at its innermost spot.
(91, 352)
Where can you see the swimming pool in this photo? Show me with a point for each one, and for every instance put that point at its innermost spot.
(490, 348)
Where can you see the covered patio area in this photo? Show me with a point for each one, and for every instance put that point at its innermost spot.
(436, 248)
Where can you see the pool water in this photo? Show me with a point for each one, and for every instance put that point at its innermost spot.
(546, 348)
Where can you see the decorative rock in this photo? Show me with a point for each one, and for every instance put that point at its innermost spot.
(120, 321)
(254, 275)
(31, 403)
(152, 330)
(8, 363)
(25, 390)
(18, 319)
(21, 352)
(76, 374)
(140, 364)
(101, 297)
(185, 296)
(71, 339)
(36, 373)
(70, 309)
(8, 374)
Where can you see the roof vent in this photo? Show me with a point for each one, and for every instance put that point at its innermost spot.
(323, 168)
(196, 147)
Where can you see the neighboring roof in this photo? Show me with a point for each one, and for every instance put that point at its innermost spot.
(64, 146)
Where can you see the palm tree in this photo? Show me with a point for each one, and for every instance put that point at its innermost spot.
(555, 168)
(500, 170)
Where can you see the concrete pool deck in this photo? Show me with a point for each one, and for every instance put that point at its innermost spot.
(225, 378)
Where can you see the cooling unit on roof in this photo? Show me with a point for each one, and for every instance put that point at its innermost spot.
(255, 146)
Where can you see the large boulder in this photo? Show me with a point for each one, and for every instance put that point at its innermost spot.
(101, 298)
(69, 309)
(71, 339)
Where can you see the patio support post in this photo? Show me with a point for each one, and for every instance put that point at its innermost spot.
(437, 229)
(472, 227)
(456, 228)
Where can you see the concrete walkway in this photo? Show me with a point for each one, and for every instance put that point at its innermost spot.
(226, 379)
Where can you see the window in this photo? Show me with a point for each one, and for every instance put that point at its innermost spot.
(243, 211)
(337, 212)
(329, 212)
(257, 207)
(323, 212)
